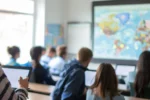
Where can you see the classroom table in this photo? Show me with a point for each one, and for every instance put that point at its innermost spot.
(34, 96)
(41, 88)
(47, 89)
(133, 98)
(123, 87)
(56, 78)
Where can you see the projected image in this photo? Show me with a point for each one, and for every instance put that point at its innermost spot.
(121, 32)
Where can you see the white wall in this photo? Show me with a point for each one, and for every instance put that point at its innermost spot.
(80, 10)
(54, 11)
(39, 21)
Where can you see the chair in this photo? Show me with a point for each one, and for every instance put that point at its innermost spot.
(131, 86)
(146, 91)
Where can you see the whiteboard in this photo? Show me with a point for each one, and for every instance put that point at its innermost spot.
(79, 35)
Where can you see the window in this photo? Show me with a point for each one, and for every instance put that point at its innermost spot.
(16, 28)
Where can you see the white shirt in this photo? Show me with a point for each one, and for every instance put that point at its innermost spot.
(45, 60)
(57, 65)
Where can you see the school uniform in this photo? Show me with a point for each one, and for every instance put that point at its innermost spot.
(7, 93)
(91, 96)
(57, 65)
(13, 62)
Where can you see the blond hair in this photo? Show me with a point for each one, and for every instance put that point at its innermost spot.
(84, 54)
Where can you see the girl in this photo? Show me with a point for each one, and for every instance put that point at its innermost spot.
(39, 73)
(105, 86)
(142, 80)
(14, 51)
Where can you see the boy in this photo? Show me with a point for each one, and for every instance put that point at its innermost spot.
(71, 86)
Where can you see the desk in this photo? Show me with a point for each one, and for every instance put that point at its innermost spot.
(123, 87)
(56, 78)
(133, 98)
(34, 96)
(40, 88)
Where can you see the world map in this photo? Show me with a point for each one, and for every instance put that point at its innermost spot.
(120, 34)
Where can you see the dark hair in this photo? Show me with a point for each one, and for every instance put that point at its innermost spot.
(52, 49)
(143, 74)
(84, 54)
(62, 50)
(13, 50)
(105, 81)
(35, 53)
(43, 49)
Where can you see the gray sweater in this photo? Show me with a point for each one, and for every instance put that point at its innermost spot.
(91, 96)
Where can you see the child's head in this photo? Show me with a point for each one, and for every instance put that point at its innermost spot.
(144, 62)
(36, 53)
(62, 51)
(105, 81)
(14, 51)
(143, 73)
(51, 52)
(84, 56)
(43, 51)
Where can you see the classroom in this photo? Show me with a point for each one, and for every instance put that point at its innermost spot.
(75, 50)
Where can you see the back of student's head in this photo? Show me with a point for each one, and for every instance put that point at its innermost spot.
(105, 81)
(14, 51)
(143, 73)
(51, 51)
(43, 51)
(36, 53)
(62, 51)
(84, 55)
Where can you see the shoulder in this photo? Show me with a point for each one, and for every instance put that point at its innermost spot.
(78, 72)
(90, 95)
(119, 97)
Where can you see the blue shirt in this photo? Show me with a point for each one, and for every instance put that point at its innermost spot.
(72, 82)
(13, 62)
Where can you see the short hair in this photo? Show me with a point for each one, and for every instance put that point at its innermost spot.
(61, 50)
(84, 54)
(13, 50)
(51, 49)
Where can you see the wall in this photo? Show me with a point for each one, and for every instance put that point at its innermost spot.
(80, 10)
(54, 11)
(39, 21)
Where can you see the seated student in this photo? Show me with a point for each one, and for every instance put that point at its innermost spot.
(14, 51)
(71, 85)
(43, 51)
(142, 79)
(39, 73)
(7, 93)
(105, 86)
(45, 59)
(57, 64)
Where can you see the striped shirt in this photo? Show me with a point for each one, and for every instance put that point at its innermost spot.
(7, 93)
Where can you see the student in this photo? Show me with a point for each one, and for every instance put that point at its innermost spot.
(71, 86)
(57, 64)
(142, 79)
(43, 51)
(105, 86)
(39, 73)
(45, 59)
(14, 51)
(7, 93)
